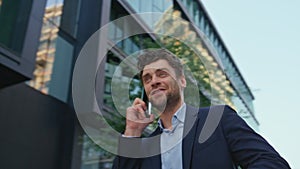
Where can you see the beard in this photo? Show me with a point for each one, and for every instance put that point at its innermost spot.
(167, 100)
(159, 102)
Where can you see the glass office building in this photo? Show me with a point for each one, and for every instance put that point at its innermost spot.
(182, 26)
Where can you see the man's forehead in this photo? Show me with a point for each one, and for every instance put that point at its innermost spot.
(159, 64)
(154, 69)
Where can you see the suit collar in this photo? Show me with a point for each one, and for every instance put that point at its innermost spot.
(189, 134)
(155, 161)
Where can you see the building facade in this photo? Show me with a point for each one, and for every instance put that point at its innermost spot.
(45, 51)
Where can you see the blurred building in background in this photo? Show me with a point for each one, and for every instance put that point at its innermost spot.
(40, 41)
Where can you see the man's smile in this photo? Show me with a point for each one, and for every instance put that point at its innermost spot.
(157, 91)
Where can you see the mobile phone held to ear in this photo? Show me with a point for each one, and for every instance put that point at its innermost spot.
(145, 99)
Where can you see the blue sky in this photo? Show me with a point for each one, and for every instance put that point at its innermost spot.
(53, 2)
(263, 39)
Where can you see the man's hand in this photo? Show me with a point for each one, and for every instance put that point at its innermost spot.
(136, 120)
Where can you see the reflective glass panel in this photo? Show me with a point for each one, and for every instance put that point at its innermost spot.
(14, 16)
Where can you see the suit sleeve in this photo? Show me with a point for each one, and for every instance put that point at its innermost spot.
(126, 163)
(249, 149)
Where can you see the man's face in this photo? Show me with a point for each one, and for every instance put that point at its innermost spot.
(161, 84)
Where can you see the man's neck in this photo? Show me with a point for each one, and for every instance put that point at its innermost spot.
(167, 115)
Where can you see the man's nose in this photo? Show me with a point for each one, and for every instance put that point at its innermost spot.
(155, 81)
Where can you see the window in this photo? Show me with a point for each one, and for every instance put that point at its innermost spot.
(70, 17)
(47, 52)
(0, 5)
(14, 16)
(61, 75)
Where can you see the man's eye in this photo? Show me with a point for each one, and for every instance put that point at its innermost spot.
(162, 74)
(146, 79)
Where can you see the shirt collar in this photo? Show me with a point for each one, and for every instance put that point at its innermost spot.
(178, 117)
(180, 114)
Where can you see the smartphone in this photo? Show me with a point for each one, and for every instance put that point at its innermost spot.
(146, 100)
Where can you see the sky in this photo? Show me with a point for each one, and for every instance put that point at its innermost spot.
(263, 37)
(54, 2)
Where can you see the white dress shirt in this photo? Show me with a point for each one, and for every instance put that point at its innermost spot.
(171, 141)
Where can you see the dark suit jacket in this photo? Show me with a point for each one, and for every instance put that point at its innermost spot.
(215, 138)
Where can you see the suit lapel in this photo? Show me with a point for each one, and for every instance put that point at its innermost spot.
(155, 161)
(189, 134)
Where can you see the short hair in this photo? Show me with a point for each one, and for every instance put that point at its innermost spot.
(152, 55)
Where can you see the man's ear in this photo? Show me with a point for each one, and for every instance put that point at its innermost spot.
(183, 81)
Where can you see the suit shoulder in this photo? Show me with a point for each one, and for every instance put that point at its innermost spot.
(214, 108)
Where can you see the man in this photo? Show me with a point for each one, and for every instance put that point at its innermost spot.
(231, 143)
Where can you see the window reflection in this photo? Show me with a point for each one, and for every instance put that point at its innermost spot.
(93, 156)
(47, 48)
(14, 16)
(0, 5)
